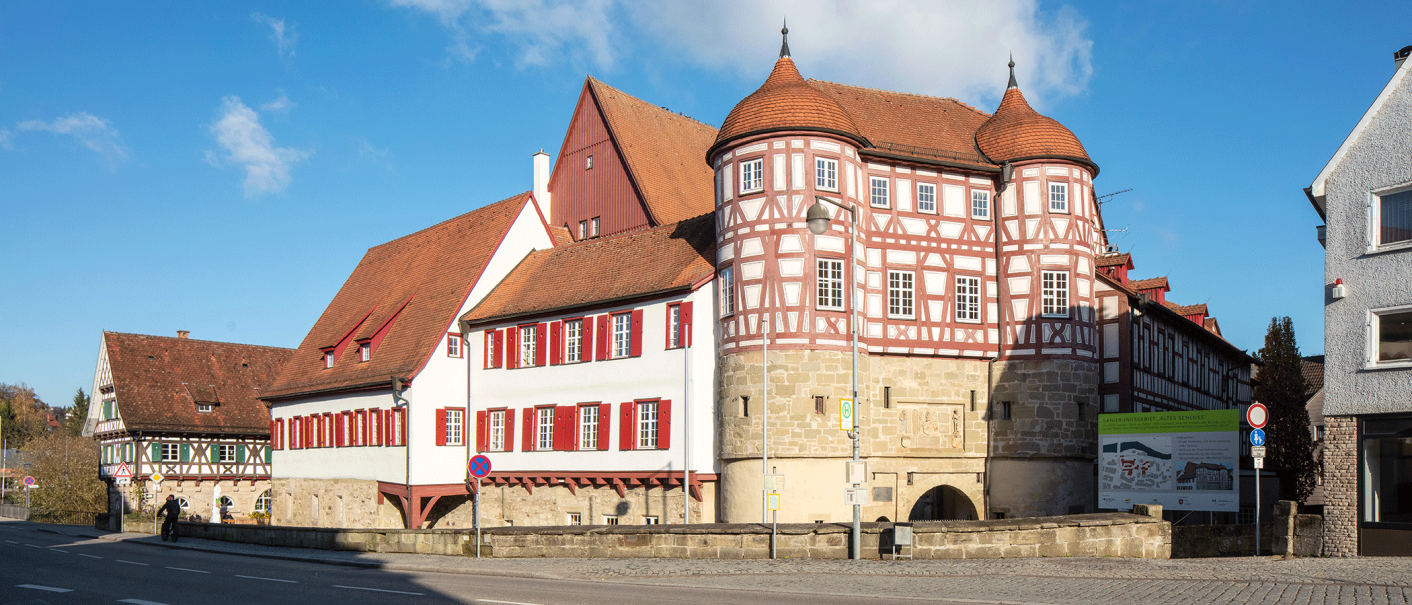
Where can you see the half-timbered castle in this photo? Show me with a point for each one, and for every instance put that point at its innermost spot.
(188, 411)
(665, 322)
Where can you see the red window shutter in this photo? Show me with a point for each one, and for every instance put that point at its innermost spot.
(563, 428)
(541, 346)
(482, 436)
(605, 424)
(531, 436)
(274, 440)
(339, 428)
(605, 337)
(556, 344)
(686, 324)
(401, 426)
(308, 432)
(664, 424)
(441, 426)
(667, 342)
(498, 348)
(512, 348)
(627, 425)
(586, 343)
(636, 350)
(509, 430)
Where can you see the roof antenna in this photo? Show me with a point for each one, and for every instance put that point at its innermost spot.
(1013, 83)
(784, 46)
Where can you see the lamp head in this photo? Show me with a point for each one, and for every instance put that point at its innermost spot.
(818, 218)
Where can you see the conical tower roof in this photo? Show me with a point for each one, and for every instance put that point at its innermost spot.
(785, 102)
(1018, 132)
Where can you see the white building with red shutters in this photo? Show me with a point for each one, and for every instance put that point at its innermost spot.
(657, 327)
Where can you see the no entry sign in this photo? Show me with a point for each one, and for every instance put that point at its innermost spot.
(1257, 415)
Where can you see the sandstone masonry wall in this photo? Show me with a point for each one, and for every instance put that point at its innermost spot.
(1340, 486)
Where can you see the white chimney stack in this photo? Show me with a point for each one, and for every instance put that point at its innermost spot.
(541, 183)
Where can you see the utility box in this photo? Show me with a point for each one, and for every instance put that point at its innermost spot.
(901, 537)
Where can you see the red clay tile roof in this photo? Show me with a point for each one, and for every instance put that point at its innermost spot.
(621, 267)
(785, 102)
(1212, 327)
(1114, 260)
(1018, 132)
(561, 235)
(1148, 284)
(1313, 370)
(157, 381)
(1190, 309)
(423, 279)
(662, 151)
(921, 126)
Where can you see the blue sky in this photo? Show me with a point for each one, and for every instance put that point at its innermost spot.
(222, 167)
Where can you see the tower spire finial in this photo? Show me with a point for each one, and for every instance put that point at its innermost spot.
(784, 46)
(1013, 83)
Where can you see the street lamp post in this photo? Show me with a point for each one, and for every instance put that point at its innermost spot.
(818, 220)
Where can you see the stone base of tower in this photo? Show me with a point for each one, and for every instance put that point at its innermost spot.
(1039, 488)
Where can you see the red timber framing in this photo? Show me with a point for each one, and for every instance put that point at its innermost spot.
(419, 501)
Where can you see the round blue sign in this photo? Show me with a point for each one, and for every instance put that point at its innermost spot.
(1257, 437)
(480, 466)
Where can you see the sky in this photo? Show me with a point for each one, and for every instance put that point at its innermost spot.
(222, 167)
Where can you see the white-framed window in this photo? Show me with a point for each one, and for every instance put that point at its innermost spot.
(926, 198)
(328, 359)
(365, 351)
(455, 419)
(826, 174)
(575, 518)
(573, 341)
(610, 519)
(588, 427)
(226, 453)
(1058, 197)
(1054, 287)
(262, 504)
(651, 520)
(583, 229)
(727, 279)
(674, 326)
(496, 418)
(205, 408)
(752, 175)
(1390, 220)
(980, 205)
(878, 190)
(1390, 337)
(595, 226)
(453, 345)
(622, 334)
(830, 284)
(647, 425)
(968, 299)
(170, 452)
(544, 428)
(900, 295)
(527, 345)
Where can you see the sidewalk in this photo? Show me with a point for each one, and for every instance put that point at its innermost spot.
(1067, 580)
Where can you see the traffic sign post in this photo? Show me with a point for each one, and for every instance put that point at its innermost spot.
(1257, 437)
(479, 468)
(1257, 415)
(845, 414)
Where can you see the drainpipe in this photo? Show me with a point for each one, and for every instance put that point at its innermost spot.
(397, 400)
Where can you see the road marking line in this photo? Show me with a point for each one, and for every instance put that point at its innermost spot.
(381, 590)
(12, 541)
(267, 579)
(140, 602)
(34, 546)
(52, 549)
(48, 588)
(501, 602)
(185, 569)
(90, 556)
(130, 562)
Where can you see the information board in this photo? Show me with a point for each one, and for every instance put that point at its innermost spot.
(1181, 460)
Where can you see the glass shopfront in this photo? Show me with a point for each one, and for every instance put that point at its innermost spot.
(1386, 499)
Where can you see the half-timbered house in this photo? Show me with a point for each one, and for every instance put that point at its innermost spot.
(188, 411)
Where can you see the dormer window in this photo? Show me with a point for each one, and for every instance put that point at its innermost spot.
(365, 351)
(328, 359)
(204, 408)
(595, 227)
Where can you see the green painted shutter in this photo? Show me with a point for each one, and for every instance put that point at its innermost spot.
(156, 452)
(185, 452)
(108, 410)
(240, 454)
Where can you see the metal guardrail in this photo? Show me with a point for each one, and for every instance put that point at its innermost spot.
(14, 512)
(44, 515)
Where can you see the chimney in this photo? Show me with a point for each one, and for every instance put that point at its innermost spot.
(183, 333)
(1399, 56)
(541, 184)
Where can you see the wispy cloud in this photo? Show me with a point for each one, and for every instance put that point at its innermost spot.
(250, 145)
(954, 48)
(283, 36)
(92, 131)
(281, 105)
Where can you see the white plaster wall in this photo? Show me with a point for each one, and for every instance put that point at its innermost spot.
(657, 373)
(1380, 157)
(378, 463)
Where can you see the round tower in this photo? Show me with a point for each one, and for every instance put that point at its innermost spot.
(1044, 400)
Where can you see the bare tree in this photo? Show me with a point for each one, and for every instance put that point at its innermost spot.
(66, 470)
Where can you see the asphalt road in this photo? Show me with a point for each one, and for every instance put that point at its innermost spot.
(37, 566)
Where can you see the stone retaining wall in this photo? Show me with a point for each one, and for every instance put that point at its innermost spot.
(1142, 535)
(1287, 534)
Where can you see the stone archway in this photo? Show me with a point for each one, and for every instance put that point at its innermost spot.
(943, 502)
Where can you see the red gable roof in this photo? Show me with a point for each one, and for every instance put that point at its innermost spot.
(158, 381)
(402, 298)
(622, 267)
(911, 125)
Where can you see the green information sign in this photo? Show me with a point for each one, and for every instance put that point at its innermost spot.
(1169, 422)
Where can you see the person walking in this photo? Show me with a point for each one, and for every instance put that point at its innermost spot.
(171, 510)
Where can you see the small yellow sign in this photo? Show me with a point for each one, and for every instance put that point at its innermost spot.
(772, 501)
(157, 477)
